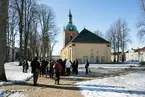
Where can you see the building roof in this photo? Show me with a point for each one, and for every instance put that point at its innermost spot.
(139, 49)
(88, 37)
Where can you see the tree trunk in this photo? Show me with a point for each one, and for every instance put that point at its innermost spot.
(25, 46)
(7, 44)
(118, 53)
(3, 26)
(21, 28)
(13, 47)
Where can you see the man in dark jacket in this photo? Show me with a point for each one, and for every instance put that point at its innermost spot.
(35, 70)
(86, 66)
(25, 66)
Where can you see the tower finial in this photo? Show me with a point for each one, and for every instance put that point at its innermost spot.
(70, 17)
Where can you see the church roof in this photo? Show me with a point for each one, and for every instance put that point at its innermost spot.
(88, 37)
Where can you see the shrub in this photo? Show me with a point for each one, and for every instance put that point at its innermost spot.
(142, 63)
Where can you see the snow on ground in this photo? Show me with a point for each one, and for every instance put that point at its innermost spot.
(131, 85)
(108, 65)
(17, 94)
(14, 74)
(105, 68)
(121, 86)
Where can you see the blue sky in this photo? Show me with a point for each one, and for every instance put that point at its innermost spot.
(96, 15)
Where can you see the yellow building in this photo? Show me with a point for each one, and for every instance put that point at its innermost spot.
(84, 45)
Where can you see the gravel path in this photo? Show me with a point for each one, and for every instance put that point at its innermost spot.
(46, 88)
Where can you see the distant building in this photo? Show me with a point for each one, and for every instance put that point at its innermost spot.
(136, 54)
(84, 45)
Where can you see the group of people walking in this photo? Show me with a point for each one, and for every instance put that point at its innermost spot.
(53, 69)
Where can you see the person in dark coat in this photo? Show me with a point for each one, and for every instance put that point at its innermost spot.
(76, 66)
(43, 68)
(46, 68)
(73, 67)
(86, 66)
(63, 67)
(25, 66)
(61, 62)
(51, 70)
(35, 70)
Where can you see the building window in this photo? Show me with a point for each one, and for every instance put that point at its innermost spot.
(102, 59)
(91, 59)
(97, 59)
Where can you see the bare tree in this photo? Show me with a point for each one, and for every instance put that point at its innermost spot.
(13, 22)
(30, 15)
(124, 40)
(19, 6)
(47, 24)
(3, 27)
(119, 37)
(111, 36)
(141, 23)
(34, 41)
(118, 31)
(53, 43)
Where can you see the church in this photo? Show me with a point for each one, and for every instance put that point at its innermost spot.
(84, 45)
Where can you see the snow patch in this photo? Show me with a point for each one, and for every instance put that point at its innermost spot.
(131, 85)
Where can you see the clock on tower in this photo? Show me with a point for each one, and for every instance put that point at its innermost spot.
(71, 28)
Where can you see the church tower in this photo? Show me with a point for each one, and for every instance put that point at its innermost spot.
(70, 31)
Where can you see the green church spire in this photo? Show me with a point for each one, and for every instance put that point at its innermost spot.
(70, 17)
